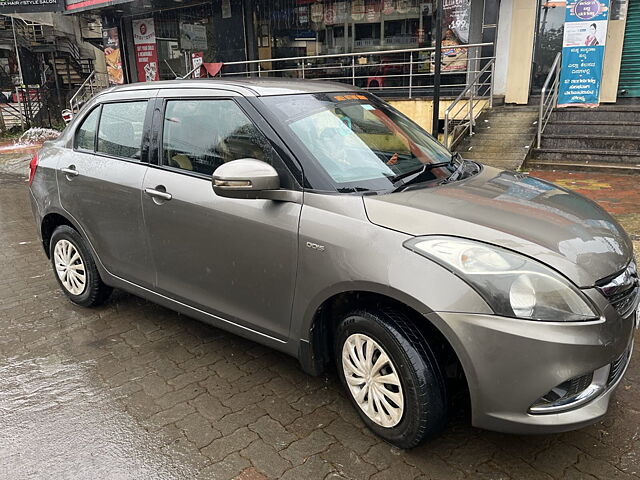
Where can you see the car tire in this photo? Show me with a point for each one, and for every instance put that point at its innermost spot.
(421, 387)
(75, 269)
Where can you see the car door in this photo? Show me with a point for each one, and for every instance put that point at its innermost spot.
(100, 182)
(233, 258)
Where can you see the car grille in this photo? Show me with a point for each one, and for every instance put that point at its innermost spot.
(622, 290)
(618, 366)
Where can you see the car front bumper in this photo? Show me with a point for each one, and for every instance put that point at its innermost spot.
(511, 363)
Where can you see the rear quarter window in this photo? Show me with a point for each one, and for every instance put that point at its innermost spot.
(86, 132)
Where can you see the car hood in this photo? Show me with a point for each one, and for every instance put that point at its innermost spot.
(563, 229)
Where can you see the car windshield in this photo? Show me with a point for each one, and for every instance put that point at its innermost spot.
(359, 142)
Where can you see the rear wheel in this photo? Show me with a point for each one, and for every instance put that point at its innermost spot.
(391, 376)
(75, 268)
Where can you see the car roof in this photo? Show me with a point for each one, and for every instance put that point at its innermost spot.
(251, 86)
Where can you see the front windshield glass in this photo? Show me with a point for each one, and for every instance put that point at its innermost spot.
(359, 142)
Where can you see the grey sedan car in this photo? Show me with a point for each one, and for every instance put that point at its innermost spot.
(316, 219)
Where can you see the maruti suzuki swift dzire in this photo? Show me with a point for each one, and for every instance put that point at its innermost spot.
(316, 219)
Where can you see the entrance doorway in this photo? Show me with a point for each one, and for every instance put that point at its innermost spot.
(548, 41)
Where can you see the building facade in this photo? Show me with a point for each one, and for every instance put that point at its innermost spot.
(225, 31)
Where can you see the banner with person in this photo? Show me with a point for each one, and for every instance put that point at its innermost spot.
(585, 34)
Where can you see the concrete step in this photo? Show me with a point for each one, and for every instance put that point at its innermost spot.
(620, 168)
(494, 155)
(516, 108)
(507, 150)
(503, 163)
(572, 127)
(584, 155)
(505, 130)
(516, 115)
(596, 115)
(502, 121)
(493, 136)
(592, 142)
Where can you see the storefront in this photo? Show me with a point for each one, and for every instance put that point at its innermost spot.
(159, 39)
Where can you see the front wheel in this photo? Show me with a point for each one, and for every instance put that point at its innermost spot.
(391, 376)
(75, 268)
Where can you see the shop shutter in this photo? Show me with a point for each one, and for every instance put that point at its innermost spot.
(629, 83)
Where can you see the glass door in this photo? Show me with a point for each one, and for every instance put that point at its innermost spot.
(548, 42)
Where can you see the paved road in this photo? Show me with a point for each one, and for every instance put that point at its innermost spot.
(132, 390)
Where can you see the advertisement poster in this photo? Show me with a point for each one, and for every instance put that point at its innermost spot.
(455, 32)
(226, 8)
(357, 10)
(302, 14)
(317, 12)
(342, 10)
(144, 40)
(372, 11)
(111, 45)
(585, 33)
(329, 14)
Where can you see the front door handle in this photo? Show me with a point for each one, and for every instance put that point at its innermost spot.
(70, 171)
(158, 194)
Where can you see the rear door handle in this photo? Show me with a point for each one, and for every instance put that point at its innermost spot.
(158, 194)
(70, 171)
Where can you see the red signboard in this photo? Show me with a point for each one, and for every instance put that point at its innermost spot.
(144, 40)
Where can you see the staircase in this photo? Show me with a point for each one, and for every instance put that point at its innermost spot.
(502, 136)
(604, 139)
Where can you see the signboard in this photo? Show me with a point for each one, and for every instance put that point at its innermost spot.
(144, 40)
(193, 37)
(585, 34)
(111, 45)
(197, 58)
(31, 6)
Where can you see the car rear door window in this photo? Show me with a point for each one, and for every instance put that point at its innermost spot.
(86, 133)
(120, 129)
(201, 135)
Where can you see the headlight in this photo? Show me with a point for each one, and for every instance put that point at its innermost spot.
(513, 285)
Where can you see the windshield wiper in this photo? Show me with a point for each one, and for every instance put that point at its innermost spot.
(459, 169)
(414, 175)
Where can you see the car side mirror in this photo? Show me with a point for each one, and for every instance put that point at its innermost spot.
(245, 178)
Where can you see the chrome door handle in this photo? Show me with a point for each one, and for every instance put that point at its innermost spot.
(70, 171)
(158, 194)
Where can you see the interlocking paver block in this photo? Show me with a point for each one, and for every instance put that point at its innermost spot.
(150, 393)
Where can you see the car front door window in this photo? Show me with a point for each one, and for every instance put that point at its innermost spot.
(201, 135)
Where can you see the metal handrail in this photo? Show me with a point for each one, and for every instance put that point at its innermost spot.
(80, 89)
(355, 54)
(472, 96)
(547, 104)
(346, 67)
(90, 86)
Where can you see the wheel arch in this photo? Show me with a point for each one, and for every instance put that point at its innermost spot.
(48, 225)
(317, 351)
